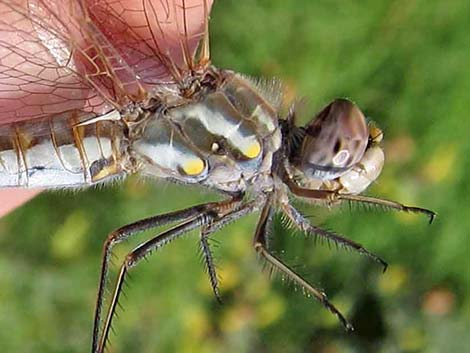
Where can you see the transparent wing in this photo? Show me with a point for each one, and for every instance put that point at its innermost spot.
(156, 38)
(86, 57)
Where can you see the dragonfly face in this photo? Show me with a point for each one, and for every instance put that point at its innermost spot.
(93, 90)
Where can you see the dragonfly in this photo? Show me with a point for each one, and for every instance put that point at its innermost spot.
(92, 91)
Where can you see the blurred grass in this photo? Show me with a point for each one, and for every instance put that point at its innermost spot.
(406, 63)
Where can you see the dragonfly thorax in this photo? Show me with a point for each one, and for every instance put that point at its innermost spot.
(223, 140)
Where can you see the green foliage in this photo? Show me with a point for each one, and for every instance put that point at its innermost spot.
(406, 63)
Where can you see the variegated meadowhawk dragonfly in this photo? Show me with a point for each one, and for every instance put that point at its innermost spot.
(95, 90)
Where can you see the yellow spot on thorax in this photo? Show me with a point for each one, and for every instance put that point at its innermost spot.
(194, 166)
(253, 150)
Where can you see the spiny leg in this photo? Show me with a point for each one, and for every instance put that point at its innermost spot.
(123, 234)
(259, 244)
(334, 196)
(212, 228)
(304, 225)
(138, 254)
(388, 204)
(203, 215)
(210, 265)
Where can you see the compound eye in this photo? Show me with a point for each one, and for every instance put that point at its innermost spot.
(334, 141)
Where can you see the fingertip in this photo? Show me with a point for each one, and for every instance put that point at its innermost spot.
(12, 198)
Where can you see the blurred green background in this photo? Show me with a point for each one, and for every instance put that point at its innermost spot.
(406, 63)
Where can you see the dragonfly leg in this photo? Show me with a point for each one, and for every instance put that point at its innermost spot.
(210, 265)
(138, 254)
(304, 225)
(204, 215)
(333, 196)
(260, 245)
(388, 204)
(212, 228)
(123, 234)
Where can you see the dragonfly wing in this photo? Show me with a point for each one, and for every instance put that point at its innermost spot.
(88, 56)
(157, 38)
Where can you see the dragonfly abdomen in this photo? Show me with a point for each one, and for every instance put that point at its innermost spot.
(51, 153)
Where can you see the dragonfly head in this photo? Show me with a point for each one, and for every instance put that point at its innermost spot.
(334, 141)
(336, 144)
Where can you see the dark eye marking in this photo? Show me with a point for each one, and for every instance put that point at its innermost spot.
(337, 146)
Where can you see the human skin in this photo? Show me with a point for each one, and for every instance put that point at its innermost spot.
(12, 198)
